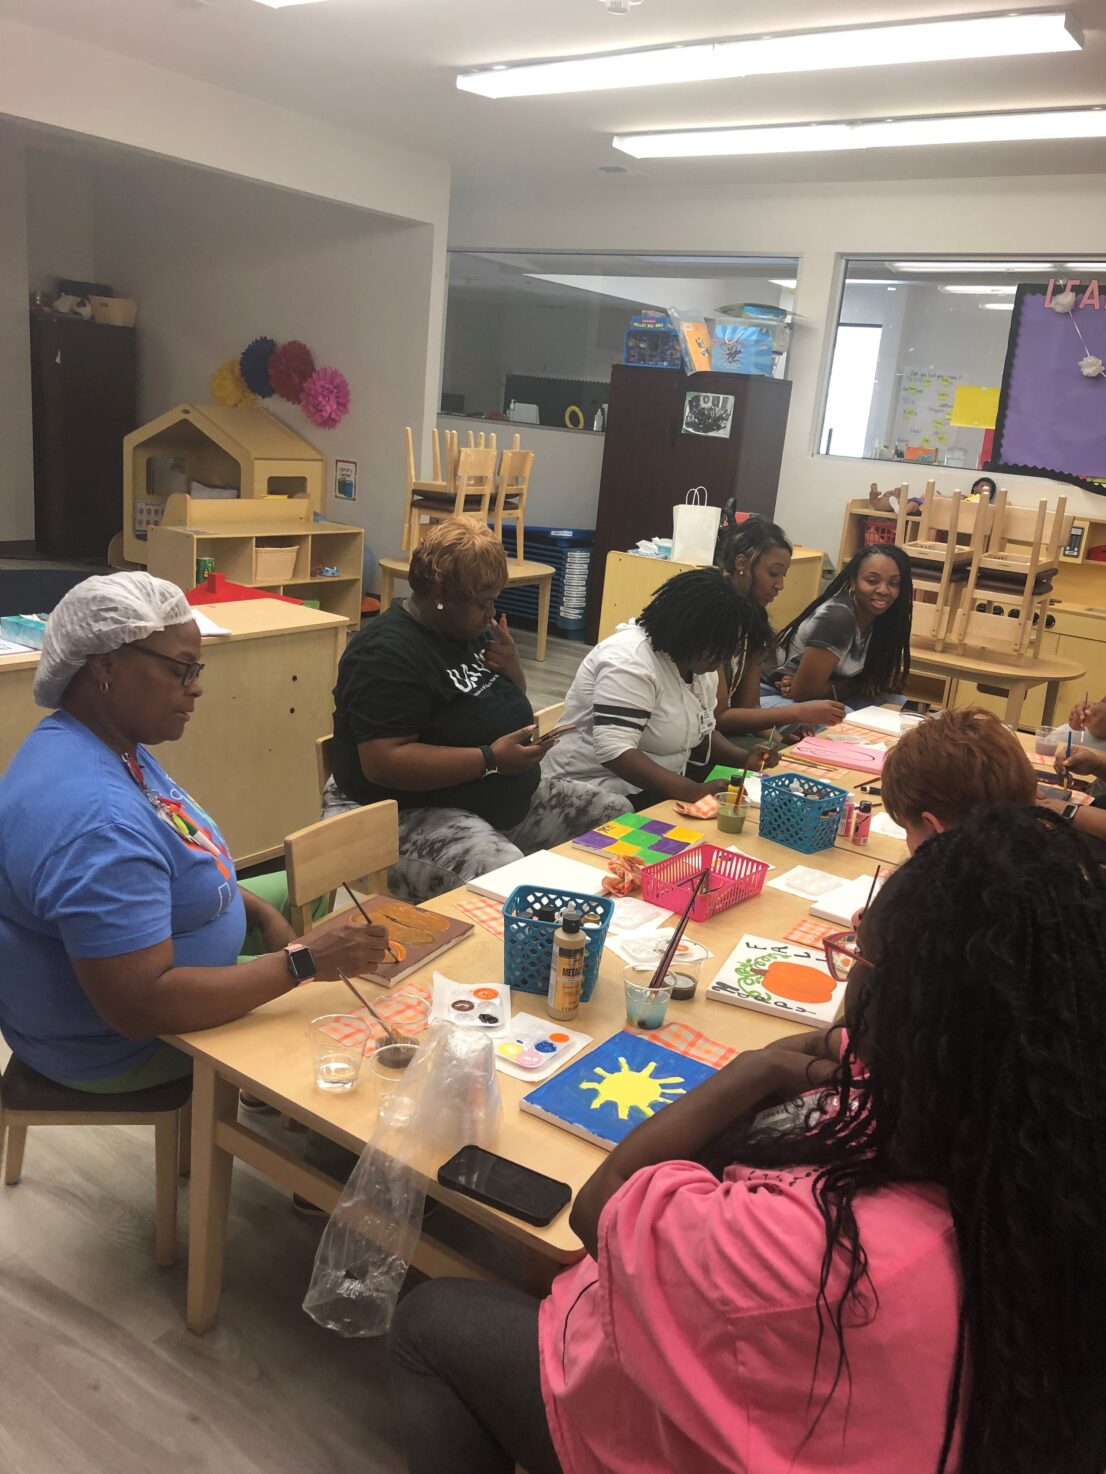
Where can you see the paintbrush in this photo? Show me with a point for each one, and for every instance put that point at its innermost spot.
(677, 934)
(388, 953)
(393, 1035)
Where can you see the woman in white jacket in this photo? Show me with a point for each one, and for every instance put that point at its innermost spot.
(644, 699)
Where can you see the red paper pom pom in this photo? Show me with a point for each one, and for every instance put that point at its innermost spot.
(325, 398)
(290, 367)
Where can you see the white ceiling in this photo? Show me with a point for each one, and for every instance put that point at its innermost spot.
(387, 67)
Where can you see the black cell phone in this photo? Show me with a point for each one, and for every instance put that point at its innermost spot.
(505, 1185)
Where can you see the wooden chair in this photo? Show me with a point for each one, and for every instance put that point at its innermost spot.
(471, 495)
(442, 480)
(511, 488)
(30, 1099)
(1018, 565)
(356, 847)
(939, 561)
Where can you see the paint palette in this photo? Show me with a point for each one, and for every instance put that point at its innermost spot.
(647, 840)
(536, 1047)
(485, 1006)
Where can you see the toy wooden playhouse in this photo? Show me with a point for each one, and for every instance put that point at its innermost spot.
(238, 487)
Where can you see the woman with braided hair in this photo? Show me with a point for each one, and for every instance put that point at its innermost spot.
(909, 1279)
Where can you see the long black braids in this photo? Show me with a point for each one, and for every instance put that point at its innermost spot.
(888, 661)
(697, 616)
(976, 1035)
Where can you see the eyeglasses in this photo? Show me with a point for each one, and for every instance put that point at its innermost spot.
(191, 670)
(842, 954)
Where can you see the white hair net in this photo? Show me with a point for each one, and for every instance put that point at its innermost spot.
(101, 615)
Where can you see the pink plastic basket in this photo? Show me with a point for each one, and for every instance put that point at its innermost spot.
(733, 878)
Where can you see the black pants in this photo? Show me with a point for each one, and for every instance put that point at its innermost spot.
(465, 1370)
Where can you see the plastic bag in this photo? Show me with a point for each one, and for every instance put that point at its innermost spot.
(448, 1098)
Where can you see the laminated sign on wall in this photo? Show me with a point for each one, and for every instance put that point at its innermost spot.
(923, 414)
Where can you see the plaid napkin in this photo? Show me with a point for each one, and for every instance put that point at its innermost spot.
(488, 914)
(703, 808)
(811, 933)
(692, 1042)
(407, 1009)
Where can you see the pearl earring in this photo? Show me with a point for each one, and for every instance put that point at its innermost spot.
(440, 607)
(104, 688)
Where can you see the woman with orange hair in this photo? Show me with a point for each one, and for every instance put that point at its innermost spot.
(431, 709)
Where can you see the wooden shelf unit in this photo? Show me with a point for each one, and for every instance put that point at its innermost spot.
(173, 552)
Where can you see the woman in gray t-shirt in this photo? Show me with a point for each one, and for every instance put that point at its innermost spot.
(852, 644)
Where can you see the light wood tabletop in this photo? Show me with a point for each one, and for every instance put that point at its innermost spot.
(267, 1055)
(1012, 677)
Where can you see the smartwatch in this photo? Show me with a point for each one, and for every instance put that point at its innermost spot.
(1069, 812)
(491, 767)
(301, 962)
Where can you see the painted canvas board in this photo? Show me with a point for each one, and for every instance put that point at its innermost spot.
(615, 1087)
(781, 978)
(645, 839)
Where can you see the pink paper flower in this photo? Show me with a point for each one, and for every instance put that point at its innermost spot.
(325, 398)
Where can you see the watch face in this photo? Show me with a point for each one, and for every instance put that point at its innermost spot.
(301, 963)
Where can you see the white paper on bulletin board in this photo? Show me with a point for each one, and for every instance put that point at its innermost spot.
(923, 411)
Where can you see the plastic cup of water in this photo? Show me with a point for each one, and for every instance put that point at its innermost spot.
(388, 1066)
(646, 1006)
(338, 1044)
(1045, 744)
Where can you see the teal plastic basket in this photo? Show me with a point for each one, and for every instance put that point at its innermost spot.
(799, 812)
(528, 943)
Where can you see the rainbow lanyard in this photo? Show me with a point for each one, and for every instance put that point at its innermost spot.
(173, 812)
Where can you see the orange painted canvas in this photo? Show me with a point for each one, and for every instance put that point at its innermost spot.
(778, 977)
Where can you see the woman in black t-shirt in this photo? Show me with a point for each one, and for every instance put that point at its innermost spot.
(430, 709)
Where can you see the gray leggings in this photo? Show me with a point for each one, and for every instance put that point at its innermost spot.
(466, 1378)
(441, 849)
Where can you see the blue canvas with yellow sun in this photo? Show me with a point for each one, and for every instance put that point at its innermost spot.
(605, 1094)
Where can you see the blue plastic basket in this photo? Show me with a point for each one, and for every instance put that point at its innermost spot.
(528, 943)
(799, 812)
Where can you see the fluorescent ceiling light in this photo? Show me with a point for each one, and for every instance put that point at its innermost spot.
(799, 138)
(1031, 33)
(954, 268)
(788, 284)
(980, 291)
(1084, 265)
(284, 4)
(996, 306)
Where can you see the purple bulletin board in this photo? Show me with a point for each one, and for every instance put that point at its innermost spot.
(1051, 418)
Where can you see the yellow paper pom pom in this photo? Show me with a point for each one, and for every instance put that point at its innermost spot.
(228, 386)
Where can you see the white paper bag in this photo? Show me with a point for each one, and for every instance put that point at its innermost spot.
(695, 528)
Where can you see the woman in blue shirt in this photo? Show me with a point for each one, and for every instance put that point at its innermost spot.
(121, 917)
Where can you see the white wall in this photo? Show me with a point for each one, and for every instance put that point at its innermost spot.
(564, 489)
(215, 262)
(17, 511)
(1049, 214)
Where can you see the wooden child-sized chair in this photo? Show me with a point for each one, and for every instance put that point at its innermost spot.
(354, 848)
(471, 495)
(511, 488)
(30, 1099)
(1018, 565)
(940, 562)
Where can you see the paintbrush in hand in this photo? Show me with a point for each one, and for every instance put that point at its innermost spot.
(390, 956)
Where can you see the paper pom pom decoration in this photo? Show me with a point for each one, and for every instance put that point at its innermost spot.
(228, 386)
(325, 398)
(254, 366)
(290, 367)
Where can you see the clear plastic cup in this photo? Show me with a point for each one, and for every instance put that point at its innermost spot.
(1045, 743)
(338, 1043)
(388, 1066)
(646, 1005)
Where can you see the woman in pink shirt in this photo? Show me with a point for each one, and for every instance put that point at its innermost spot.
(910, 1282)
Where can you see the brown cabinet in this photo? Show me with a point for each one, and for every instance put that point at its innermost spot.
(649, 462)
(83, 400)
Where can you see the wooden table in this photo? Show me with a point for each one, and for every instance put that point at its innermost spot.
(518, 574)
(630, 581)
(1011, 678)
(267, 697)
(266, 1054)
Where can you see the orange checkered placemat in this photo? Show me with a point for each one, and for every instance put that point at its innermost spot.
(406, 1008)
(811, 933)
(692, 1042)
(488, 914)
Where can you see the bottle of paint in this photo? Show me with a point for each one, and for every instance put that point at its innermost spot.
(845, 824)
(863, 822)
(566, 974)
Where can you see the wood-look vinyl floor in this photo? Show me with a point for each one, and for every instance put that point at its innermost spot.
(100, 1375)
